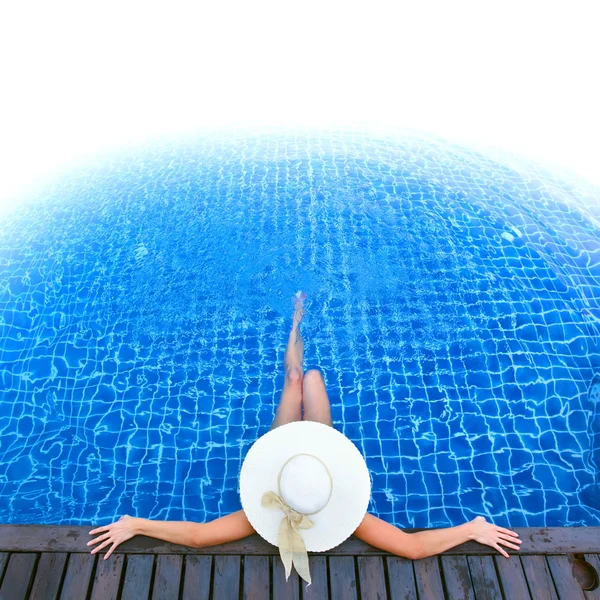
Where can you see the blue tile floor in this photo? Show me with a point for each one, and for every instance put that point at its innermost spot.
(453, 308)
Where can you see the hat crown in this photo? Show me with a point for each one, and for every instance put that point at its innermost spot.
(305, 484)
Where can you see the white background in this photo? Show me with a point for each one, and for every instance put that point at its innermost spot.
(82, 77)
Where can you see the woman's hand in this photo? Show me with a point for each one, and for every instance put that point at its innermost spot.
(492, 535)
(116, 533)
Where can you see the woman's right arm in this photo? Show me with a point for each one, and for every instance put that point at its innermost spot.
(197, 535)
(387, 537)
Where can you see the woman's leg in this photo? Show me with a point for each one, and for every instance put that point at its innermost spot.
(316, 401)
(290, 405)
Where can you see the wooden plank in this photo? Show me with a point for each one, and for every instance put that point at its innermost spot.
(196, 582)
(48, 575)
(286, 590)
(257, 577)
(401, 578)
(68, 538)
(138, 577)
(429, 578)
(485, 578)
(594, 560)
(226, 578)
(371, 576)
(538, 577)
(342, 578)
(566, 585)
(512, 577)
(457, 578)
(167, 578)
(107, 578)
(18, 576)
(3, 562)
(319, 588)
(78, 576)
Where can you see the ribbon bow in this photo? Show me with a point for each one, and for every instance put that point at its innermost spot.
(291, 545)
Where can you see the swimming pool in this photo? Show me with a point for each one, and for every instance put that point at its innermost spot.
(453, 308)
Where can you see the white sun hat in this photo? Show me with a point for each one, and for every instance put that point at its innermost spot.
(304, 487)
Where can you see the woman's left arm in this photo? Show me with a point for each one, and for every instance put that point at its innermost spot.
(197, 535)
(386, 537)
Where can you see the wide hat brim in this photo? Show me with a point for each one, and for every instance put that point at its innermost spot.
(351, 482)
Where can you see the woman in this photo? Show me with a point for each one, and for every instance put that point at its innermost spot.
(304, 391)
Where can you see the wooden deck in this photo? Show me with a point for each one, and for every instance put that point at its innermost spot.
(54, 562)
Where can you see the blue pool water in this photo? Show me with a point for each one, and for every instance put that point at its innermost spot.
(453, 308)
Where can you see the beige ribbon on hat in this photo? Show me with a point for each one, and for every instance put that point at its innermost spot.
(291, 545)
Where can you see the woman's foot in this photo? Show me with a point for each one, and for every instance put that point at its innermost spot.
(298, 299)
